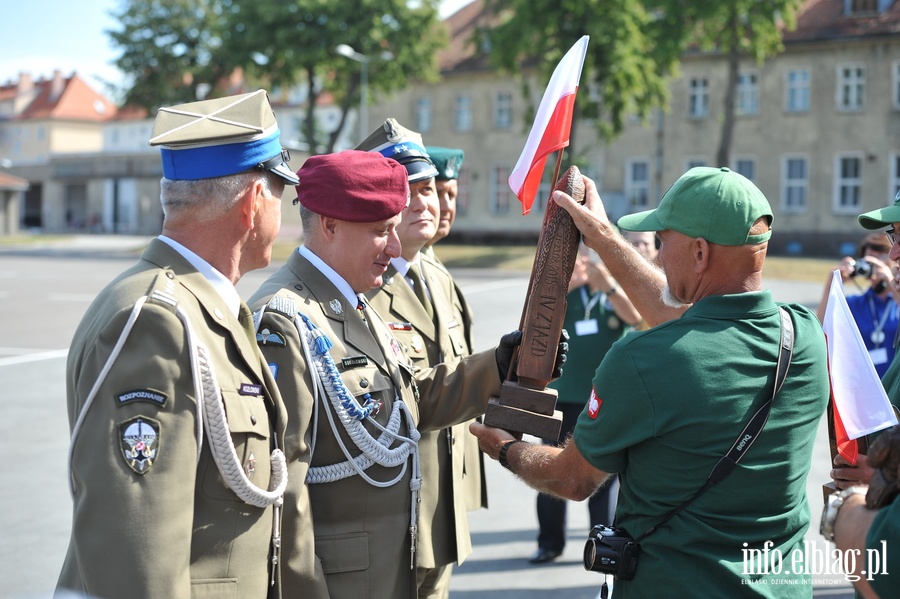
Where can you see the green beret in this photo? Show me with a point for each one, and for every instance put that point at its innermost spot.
(448, 161)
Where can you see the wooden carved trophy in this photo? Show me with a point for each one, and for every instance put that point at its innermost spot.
(525, 404)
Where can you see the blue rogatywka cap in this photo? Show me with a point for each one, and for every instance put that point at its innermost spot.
(219, 137)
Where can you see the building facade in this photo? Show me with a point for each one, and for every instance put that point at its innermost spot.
(817, 128)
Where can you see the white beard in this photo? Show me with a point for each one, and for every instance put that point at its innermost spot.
(670, 300)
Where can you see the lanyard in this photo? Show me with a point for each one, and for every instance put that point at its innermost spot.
(877, 335)
(589, 304)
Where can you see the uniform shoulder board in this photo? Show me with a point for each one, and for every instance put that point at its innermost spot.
(162, 291)
(284, 304)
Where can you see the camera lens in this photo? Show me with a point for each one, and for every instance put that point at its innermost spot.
(861, 268)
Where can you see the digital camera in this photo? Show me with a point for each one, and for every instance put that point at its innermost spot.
(611, 550)
(861, 268)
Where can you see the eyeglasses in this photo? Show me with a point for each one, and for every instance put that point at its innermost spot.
(271, 163)
(893, 236)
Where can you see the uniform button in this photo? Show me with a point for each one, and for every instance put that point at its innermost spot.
(364, 383)
(298, 287)
(170, 275)
(252, 419)
(218, 314)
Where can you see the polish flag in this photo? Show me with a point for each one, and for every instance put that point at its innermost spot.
(861, 405)
(550, 131)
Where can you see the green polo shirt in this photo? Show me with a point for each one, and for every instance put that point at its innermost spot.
(672, 401)
(588, 342)
(882, 556)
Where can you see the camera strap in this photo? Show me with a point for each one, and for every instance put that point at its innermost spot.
(748, 436)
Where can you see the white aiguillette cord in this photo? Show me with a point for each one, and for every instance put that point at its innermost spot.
(210, 415)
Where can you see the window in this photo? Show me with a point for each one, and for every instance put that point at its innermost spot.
(462, 113)
(698, 99)
(851, 87)
(895, 177)
(423, 115)
(746, 167)
(794, 184)
(503, 110)
(895, 84)
(747, 94)
(797, 91)
(501, 194)
(637, 183)
(848, 183)
(693, 162)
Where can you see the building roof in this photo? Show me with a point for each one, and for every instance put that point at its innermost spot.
(826, 20)
(8, 181)
(57, 97)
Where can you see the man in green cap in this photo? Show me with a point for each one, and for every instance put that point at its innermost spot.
(669, 403)
(175, 465)
(448, 162)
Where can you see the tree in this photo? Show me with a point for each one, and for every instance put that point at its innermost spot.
(625, 61)
(168, 50)
(180, 50)
(737, 28)
(286, 43)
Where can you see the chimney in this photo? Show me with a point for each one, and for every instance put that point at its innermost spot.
(57, 85)
(26, 83)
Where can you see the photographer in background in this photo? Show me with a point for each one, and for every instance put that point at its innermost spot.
(875, 309)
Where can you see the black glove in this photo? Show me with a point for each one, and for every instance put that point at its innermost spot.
(561, 350)
(884, 457)
(510, 341)
(504, 352)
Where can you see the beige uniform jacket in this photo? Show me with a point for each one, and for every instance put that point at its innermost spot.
(475, 482)
(443, 522)
(362, 536)
(174, 531)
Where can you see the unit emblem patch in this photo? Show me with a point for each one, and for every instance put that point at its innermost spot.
(139, 441)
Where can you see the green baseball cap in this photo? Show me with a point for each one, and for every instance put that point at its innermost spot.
(447, 161)
(883, 217)
(716, 204)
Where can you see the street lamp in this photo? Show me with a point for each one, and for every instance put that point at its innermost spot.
(363, 60)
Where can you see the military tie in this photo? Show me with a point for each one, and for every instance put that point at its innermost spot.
(245, 317)
(416, 275)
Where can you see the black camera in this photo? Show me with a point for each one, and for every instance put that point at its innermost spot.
(611, 550)
(861, 268)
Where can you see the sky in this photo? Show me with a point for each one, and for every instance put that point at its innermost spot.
(39, 36)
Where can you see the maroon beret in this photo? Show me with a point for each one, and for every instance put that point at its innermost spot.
(356, 186)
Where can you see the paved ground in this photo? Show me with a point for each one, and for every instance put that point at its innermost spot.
(43, 292)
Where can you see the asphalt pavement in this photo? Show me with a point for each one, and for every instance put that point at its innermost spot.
(44, 290)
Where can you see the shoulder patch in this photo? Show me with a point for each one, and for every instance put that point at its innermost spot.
(149, 395)
(139, 442)
(283, 305)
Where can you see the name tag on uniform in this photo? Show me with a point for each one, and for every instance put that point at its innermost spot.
(586, 327)
(354, 362)
(250, 389)
(879, 356)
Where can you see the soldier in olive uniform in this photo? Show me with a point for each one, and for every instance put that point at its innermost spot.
(175, 466)
(416, 301)
(354, 402)
(448, 162)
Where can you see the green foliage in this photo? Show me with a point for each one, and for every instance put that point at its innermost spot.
(623, 62)
(170, 47)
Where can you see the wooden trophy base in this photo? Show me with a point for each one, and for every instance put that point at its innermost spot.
(523, 410)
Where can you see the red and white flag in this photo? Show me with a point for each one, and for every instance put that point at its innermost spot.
(552, 124)
(861, 405)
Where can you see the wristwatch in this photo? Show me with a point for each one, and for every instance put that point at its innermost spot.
(830, 513)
